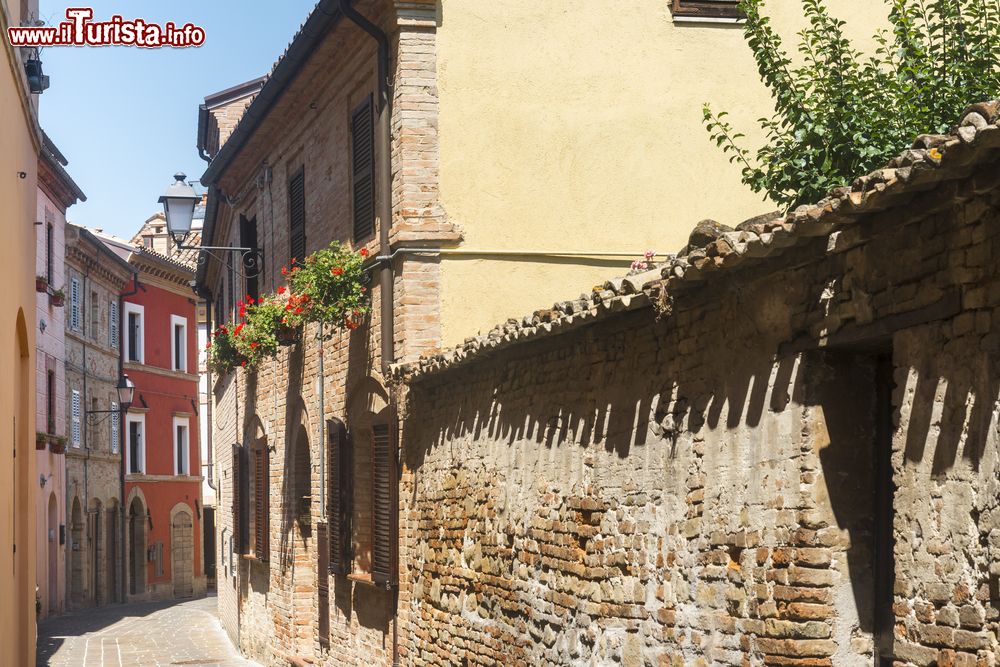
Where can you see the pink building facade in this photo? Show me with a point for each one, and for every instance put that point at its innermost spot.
(56, 193)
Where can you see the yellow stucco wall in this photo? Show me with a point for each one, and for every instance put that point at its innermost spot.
(577, 126)
(18, 478)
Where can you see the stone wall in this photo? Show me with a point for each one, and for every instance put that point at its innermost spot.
(699, 483)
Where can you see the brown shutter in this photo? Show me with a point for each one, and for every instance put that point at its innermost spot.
(236, 496)
(323, 583)
(363, 170)
(338, 503)
(262, 515)
(297, 215)
(384, 491)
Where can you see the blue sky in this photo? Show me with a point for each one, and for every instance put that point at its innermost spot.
(126, 118)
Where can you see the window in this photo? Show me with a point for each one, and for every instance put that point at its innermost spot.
(136, 453)
(338, 496)
(706, 9)
(297, 216)
(240, 484)
(75, 321)
(363, 171)
(182, 448)
(248, 239)
(113, 323)
(134, 346)
(147, 241)
(95, 315)
(75, 410)
(384, 491)
(260, 516)
(178, 343)
(116, 427)
(50, 401)
(49, 270)
(230, 294)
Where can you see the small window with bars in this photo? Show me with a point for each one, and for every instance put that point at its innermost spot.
(708, 9)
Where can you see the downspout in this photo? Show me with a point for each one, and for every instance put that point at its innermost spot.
(383, 159)
(121, 430)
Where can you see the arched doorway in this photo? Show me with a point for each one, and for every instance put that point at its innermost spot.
(137, 547)
(303, 561)
(76, 545)
(112, 552)
(52, 535)
(182, 552)
(95, 550)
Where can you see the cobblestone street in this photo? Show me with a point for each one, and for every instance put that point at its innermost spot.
(139, 635)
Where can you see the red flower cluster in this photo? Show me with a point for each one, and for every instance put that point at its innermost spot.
(363, 252)
(337, 271)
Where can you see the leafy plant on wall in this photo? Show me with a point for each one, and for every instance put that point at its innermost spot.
(841, 113)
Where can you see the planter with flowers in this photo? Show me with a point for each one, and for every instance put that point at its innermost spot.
(328, 289)
(57, 298)
(57, 444)
(41, 284)
(41, 439)
(222, 353)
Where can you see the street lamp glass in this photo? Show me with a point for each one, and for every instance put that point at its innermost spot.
(126, 391)
(178, 206)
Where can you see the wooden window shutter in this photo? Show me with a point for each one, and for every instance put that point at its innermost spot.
(323, 583)
(384, 498)
(248, 239)
(338, 494)
(363, 170)
(240, 515)
(297, 215)
(262, 524)
(707, 8)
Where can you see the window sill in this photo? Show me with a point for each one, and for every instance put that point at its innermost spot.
(365, 579)
(730, 20)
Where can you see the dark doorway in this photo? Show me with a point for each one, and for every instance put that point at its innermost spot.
(885, 490)
(208, 526)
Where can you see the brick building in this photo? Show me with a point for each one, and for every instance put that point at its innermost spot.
(778, 448)
(56, 192)
(95, 278)
(162, 482)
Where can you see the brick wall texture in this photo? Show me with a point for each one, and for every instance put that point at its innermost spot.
(683, 490)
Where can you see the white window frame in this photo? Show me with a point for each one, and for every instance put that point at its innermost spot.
(74, 304)
(186, 453)
(116, 427)
(141, 312)
(76, 418)
(113, 325)
(178, 321)
(141, 420)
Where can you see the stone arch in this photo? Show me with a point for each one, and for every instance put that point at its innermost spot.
(77, 591)
(135, 543)
(182, 550)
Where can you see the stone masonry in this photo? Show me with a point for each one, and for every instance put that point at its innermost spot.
(778, 448)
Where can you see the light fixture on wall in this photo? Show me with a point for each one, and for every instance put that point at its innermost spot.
(126, 392)
(179, 202)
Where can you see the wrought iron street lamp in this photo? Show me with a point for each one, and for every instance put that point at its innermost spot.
(179, 202)
(126, 392)
(178, 206)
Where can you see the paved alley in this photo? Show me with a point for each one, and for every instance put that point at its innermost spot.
(145, 634)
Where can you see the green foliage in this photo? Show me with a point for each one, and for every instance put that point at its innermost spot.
(329, 287)
(223, 355)
(840, 113)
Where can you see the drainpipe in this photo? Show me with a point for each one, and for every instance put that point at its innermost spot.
(322, 435)
(122, 431)
(383, 159)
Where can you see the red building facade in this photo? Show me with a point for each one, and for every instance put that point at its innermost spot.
(160, 431)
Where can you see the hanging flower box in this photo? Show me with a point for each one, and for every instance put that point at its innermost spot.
(57, 444)
(41, 284)
(288, 335)
(57, 298)
(41, 439)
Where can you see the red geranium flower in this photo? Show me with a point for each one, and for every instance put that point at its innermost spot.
(284, 270)
(363, 252)
(239, 328)
(337, 271)
(281, 290)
